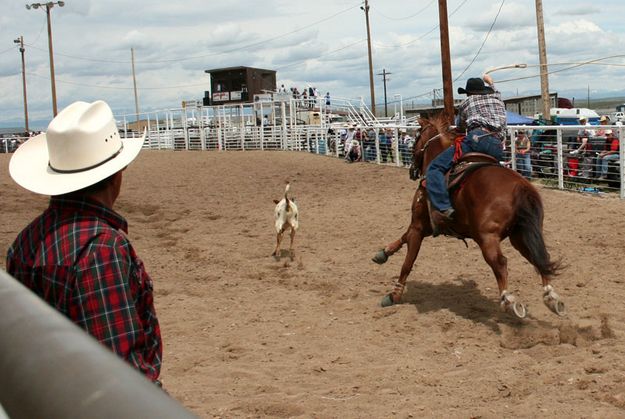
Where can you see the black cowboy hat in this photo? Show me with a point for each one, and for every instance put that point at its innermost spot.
(476, 86)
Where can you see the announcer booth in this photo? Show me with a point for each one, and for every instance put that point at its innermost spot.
(238, 85)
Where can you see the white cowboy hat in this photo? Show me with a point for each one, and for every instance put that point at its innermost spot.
(81, 147)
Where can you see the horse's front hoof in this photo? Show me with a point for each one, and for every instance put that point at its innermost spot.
(387, 301)
(380, 257)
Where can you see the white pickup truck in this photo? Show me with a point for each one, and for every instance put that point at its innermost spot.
(617, 116)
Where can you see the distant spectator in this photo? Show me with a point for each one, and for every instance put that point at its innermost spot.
(602, 131)
(611, 154)
(327, 97)
(386, 140)
(353, 151)
(349, 136)
(580, 164)
(305, 97)
(406, 142)
(523, 156)
(282, 89)
(368, 144)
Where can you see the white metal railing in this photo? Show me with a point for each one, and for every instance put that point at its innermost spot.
(237, 127)
(550, 159)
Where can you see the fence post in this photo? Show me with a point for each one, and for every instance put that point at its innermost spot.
(513, 148)
(221, 143)
(396, 146)
(560, 160)
(621, 131)
(377, 146)
(200, 126)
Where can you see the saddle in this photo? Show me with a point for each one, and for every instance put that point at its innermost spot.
(467, 164)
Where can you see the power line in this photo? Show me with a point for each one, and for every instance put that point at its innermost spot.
(244, 47)
(483, 42)
(575, 65)
(423, 35)
(322, 55)
(407, 17)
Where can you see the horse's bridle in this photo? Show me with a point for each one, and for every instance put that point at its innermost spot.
(415, 170)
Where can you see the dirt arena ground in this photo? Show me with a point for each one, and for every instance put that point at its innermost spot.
(247, 336)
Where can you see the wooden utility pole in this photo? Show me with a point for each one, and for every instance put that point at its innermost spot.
(366, 9)
(448, 94)
(134, 82)
(20, 41)
(384, 73)
(542, 52)
(52, 81)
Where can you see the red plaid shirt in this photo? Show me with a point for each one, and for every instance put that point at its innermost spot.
(483, 111)
(76, 257)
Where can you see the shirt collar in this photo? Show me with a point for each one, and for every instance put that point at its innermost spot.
(88, 207)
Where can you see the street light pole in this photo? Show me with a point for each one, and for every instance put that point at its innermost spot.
(20, 41)
(48, 6)
(401, 107)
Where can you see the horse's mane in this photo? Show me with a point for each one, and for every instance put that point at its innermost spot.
(441, 123)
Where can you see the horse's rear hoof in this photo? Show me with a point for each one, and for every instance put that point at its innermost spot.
(387, 301)
(556, 306)
(519, 309)
(380, 257)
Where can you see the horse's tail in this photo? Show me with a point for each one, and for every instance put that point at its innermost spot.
(528, 229)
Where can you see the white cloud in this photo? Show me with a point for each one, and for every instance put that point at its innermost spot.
(319, 42)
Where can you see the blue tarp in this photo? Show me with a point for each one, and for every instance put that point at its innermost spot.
(513, 118)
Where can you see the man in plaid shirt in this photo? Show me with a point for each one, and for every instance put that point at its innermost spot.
(483, 116)
(76, 255)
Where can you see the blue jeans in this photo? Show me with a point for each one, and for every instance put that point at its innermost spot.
(604, 163)
(435, 176)
(524, 164)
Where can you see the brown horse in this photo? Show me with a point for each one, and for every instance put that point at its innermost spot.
(493, 203)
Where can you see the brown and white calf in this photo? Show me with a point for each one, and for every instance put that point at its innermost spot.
(286, 217)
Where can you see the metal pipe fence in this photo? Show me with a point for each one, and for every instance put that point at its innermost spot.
(551, 159)
(277, 126)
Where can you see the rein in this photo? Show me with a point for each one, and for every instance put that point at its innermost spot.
(427, 143)
(417, 173)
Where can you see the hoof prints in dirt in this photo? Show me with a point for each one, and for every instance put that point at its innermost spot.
(534, 333)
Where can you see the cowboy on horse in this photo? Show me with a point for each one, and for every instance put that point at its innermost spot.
(483, 116)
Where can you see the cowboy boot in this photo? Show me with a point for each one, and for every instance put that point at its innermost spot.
(441, 220)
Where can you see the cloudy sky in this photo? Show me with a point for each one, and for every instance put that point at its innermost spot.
(320, 43)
